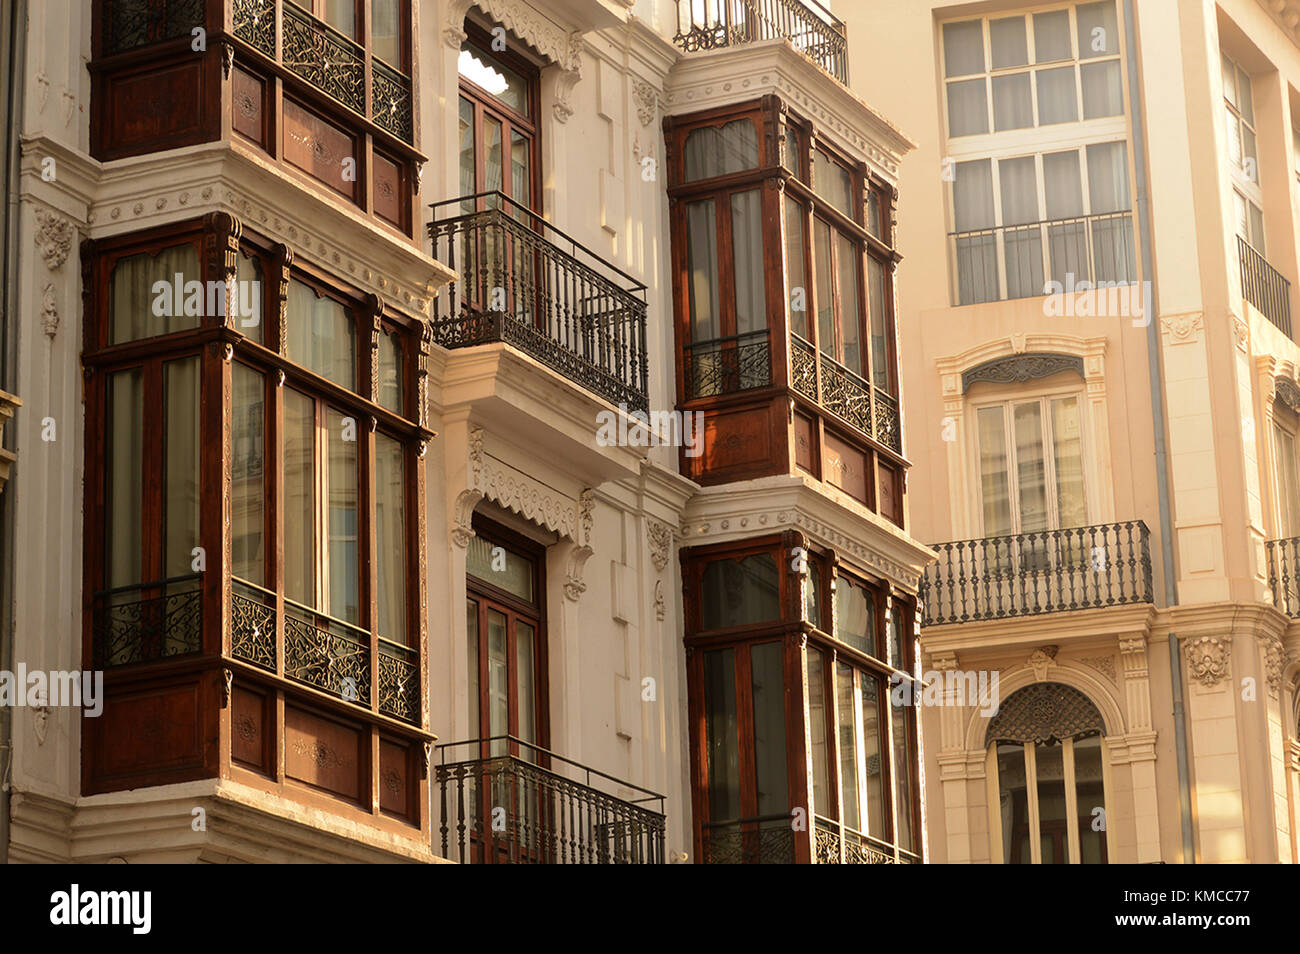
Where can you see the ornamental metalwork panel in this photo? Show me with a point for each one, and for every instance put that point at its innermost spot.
(129, 630)
(1284, 575)
(1016, 369)
(815, 33)
(889, 430)
(252, 626)
(254, 23)
(399, 682)
(1045, 712)
(329, 660)
(129, 24)
(750, 842)
(324, 58)
(803, 368)
(390, 94)
(728, 365)
(846, 395)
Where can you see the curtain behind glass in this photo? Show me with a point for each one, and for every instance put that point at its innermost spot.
(1288, 481)
(712, 151)
(390, 538)
(747, 260)
(768, 682)
(739, 592)
(817, 728)
(386, 31)
(702, 257)
(133, 297)
(1023, 247)
(796, 278)
(847, 257)
(879, 324)
(846, 722)
(855, 616)
(977, 264)
(720, 734)
(1068, 449)
(125, 477)
(247, 476)
(1012, 102)
(1057, 99)
(320, 336)
(299, 498)
(994, 481)
(180, 466)
(1031, 477)
(341, 517)
(873, 755)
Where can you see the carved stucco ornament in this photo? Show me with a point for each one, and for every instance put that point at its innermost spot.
(1287, 392)
(1040, 660)
(1208, 659)
(1016, 369)
(1274, 663)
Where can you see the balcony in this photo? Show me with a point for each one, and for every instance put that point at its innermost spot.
(835, 388)
(837, 844)
(1264, 287)
(147, 622)
(810, 28)
(1052, 571)
(522, 281)
(1284, 574)
(728, 365)
(505, 801)
(1017, 261)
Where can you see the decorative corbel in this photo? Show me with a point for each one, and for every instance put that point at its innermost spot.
(574, 585)
(375, 308)
(221, 251)
(283, 261)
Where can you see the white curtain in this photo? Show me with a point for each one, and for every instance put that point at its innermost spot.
(134, 298)
(1057, 101)
(1103, 94)
(1013, 106)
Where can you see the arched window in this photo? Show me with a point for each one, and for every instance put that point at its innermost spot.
(1046, 756)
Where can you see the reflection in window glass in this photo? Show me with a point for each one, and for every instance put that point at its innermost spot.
(124, 476)
(341, 512)
(796, 291)
(180, 465)
(770, 780)
(247, 476)
(299, 498)
(1050, 773)
(721, 734)
(702, 254)
(485, 71)
(1013, 806)
(855, 615)
(390, 537)
(833, 183)
(390, 373)
(502, 567)
(873, 755)
(737, 592)
(817, 729)
(1090, 796)
(845, 720)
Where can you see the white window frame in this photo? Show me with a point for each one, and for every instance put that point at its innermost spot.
(1285, 527)
(1245, 174)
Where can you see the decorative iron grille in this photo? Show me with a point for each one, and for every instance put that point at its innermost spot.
(803, 367)
(808, 26)
(130, 24)
(327, 653)
(1284, 574)
(128, 626)
(391, 93)
(505, 801)
(1050, 571)
(252, 624)
(833, 845)
(399, 682)
(728, 365)
(750, 841)
(254, 23)
(325, 58)
(1043, 712)
(564, 306)
(846, 395)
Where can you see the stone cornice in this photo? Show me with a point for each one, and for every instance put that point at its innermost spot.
(736, 74)
(1079, 627)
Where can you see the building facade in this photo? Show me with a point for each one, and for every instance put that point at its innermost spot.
(1100, 369)
(457, 431)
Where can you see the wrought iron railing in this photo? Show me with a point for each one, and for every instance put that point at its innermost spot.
(1284, 574)
(326, 653)
(727, 365)
(252, 624)
(1017, 261)
(765, 840)
(522, 281)
(1027, 574)
(810, 28)
(399, 681)
(1264, 287)
(836, 844)
(129, 24)
(849, 397)
(146, 622)
(328, 61)
(503, 800)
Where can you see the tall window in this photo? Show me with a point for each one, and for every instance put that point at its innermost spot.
(1239, 118)
(507, 656)
(1287, 478)
(1046, 754)
(498, 107)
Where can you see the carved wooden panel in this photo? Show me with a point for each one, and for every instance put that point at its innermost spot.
(249, 110)
(390, 192)
(145, 731)
(846, 467)
(736, 439)
(249, 738)
(321, 149)
(323, 753)
(152, 110)
(395, 778)
(891, 493)
(805, 443)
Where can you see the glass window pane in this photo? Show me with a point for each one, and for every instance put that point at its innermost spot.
(833, 183)
(1249, 153)
(812, 604)
(718, 151)
(341, 518)
(855, 616)
(963, 48)
(1008, 43)
(471, 629)
(247, 475)
(158, 294)
(825, 303)
(1090, 796)
(817, 729)
(391, 393)
(1098, 29)
(502, 567)
(1057, 100)
(846, 708)
(973, 195)
(796, 290)
(1049, 772)
(1233, 126)
(1229, 73)
(483, 70)
(125, 477)
(905, 834)
(721, 734)
(342, 16)
(1013, 803)
(1288, 481)
(493, 170)
(468, 172)
(1031, 479)
(1052, 36)
(1068, 444)
(737, 592)
(521, 175)
(390, 537)
(1019, 181)
(1257, 228)
(702, 253)
(1245, 97)
(847, 257)
(180, 465)
(968, 107)
(791, 149)
(299, 498)
(873, 755)
(897, 648)
(747, 261)
(770, 781)
(386, 31)
(994, 479)
(1012, 103)
(498, 674)
(1103, 94)
(247, 299)
(1062, 185)
(525, 677)
(879, 324)
(1108, 178)
(320, 335)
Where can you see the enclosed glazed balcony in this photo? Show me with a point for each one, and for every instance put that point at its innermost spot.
(1027, 574)
(505, 801)
(811, 29)
(524, 282)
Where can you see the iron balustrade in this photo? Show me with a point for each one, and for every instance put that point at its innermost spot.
(147, 622)
(838, 844)
(728, 365)
(1264, 287)
(1050, 571)
(129, 24)
(327, 653)
(763, 840)
(811, 29)
(252, 624)
(399, 681)
(832, 386)
(524, 282)
(1017, 261)
(328, 61)
(1284, 574)
(506, 801)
